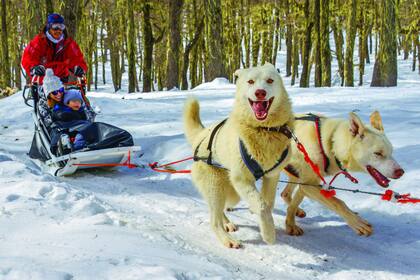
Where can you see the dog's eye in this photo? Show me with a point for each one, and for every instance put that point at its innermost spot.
(270, 81)
(251, 82)
(379, 154)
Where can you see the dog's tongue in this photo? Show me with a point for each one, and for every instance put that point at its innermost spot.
(379, 178)
(259, 107)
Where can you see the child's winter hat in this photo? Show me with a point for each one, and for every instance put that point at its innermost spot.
(51, 82)
(72, 94)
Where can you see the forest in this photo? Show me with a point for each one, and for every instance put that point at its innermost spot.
(182, 43)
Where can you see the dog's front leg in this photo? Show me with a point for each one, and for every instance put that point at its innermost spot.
(269, 188)
(245, 186)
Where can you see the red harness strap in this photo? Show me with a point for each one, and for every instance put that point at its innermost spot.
(318, 134)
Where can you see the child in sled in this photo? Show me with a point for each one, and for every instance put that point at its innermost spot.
(72, 109)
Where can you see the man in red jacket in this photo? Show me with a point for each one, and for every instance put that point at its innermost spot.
(52, 48)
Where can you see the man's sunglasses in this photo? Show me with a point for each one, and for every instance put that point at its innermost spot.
(55, 92)
(58, 26)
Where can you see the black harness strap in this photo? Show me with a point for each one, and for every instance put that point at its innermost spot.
(253, 165)
(340, 165)
(209, 159)
(292, 170)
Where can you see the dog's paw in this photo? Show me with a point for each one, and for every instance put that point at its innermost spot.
(269, 238)
(361, 226)
(300, 213)
(294, 230)
(232, 243)
(230, 227)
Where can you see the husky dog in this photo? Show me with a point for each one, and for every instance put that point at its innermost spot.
(346, 145)
(254, 132)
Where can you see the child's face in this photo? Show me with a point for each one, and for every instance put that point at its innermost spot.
(75, 104)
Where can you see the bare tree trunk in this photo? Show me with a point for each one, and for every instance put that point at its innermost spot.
(277, 37)
(148, 49)
(131, 48)
(49, 6)
(187, 51)
(267, 35)
(72, 11)
(289, 34)
(295, 59)
(318, 65)
(325, 43)
(103, 49)
(350, 38)
(175, 10)
(5, 75)
(214, 40)
(362, 41)
(339, 42)
(304, 77)
(385, 70)
(247, 41)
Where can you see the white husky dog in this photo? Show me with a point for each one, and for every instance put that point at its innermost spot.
(347, 145)
(252, 135)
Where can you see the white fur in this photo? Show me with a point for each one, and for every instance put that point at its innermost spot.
(223, 189)
(355, 145)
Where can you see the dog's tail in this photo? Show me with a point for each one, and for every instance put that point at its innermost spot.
(192, 122)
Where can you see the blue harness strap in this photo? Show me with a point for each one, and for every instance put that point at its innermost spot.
(253, 165)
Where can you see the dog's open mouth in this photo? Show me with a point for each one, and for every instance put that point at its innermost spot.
(260, 108)
(378, 176)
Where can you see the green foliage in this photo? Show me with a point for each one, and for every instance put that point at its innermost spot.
(250, 32)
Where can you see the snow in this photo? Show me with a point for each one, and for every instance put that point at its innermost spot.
(137, 224)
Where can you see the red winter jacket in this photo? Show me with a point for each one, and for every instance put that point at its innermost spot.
(60, 57)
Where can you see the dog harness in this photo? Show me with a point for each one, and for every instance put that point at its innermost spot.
(316, 119)
(253, 166)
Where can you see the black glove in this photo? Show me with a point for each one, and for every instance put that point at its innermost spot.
(38, 70)
(78, 71)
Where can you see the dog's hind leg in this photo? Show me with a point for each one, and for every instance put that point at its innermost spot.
(291, 227)
(210, 182)
(359, 225)
(245, 186)
(287, 194)
(232, 198)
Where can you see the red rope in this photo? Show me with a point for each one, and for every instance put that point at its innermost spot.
(389, 195)
(155, 167)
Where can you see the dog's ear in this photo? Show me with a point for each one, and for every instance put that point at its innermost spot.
(236, 75)
(376, 121)
(356, 125)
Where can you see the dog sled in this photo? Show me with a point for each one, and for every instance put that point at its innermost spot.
(108, 146)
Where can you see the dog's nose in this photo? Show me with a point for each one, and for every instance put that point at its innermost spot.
(260, 94)
(398, 173)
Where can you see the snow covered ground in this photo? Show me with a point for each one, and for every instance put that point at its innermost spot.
(137, 224)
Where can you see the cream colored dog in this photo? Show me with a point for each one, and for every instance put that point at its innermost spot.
(349, 143)
(261, 105)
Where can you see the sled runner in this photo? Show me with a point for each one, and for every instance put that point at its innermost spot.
(107, 145)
